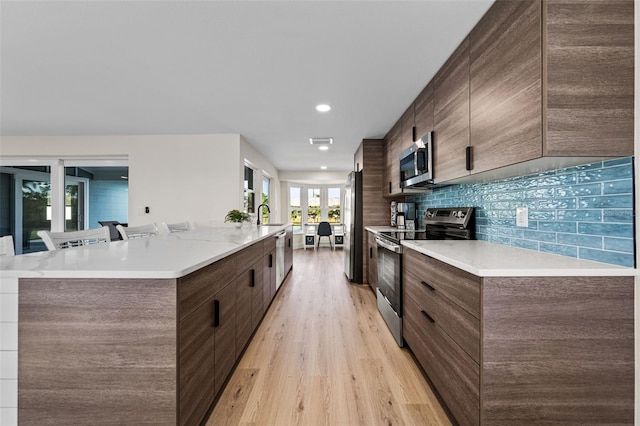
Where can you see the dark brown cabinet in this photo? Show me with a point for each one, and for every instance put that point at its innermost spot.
(288, 251)
(375, 208)
(372, 261)
(536, 85)
(269, 278)
(203, 295)
(249, 298)
(589, 66)
(392, 150)
(506, 85)
(552, 349)
(451, 116)
(423, 110)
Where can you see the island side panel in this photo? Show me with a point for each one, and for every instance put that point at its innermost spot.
(97, 351)
(558, 350)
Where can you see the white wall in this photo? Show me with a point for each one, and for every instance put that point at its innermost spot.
(194, 177)
(263, 168)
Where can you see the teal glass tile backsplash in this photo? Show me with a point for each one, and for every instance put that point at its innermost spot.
(584, 211)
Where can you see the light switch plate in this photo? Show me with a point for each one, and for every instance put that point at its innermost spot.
(522, 216)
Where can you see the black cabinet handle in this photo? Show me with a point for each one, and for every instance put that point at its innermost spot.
(253, 278)
(370, 252)
(427, 316)
(469, 153)
(427, 286)
(270, 260)
(289, 241)
(413, 133)
(389, 187)
(216, 313)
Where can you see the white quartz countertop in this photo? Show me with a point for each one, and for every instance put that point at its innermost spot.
(487, 259)
(165, 256)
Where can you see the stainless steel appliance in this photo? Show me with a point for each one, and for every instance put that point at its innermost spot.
(280, 237)
(402, 212)
(416, 164)
(441, 224)
(353, 229)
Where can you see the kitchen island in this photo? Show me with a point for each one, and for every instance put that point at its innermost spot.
(143, 331)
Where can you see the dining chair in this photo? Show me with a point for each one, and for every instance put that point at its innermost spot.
(324, 230)
(142, 231)
(64, 240)
(113, 231)
(176, 227)
(6, 246)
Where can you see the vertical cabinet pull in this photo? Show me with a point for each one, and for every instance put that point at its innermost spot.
(389, 187)
(370, 252)
(427, 286)
(469, 152)
(289, 242)
(253, 278)
(216, 313)
(427, 316)
(413, 134)
(270, 260)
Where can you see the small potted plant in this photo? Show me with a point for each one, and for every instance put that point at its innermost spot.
(237, 217)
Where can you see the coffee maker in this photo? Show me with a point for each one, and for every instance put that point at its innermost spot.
(403, 215)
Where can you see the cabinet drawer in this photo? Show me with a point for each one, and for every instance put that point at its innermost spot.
(455, 374)
(459, 286)
(202, 284)
(248, 256)
(459, 324)
(268, 245)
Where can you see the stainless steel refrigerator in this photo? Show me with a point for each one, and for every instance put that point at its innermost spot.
(354, 229)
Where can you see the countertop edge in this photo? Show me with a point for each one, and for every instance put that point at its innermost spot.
(586, 267)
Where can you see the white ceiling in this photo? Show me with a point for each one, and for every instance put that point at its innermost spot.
(199, 67)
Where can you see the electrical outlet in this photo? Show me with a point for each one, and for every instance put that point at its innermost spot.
(522, 216)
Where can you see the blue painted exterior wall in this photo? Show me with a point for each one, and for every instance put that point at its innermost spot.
(108, 200)
(585, 211)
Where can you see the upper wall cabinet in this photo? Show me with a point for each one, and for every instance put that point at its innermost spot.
(392, 148)
(537, 85)
(589, 77)
(407, 132)
(506, 85)
(423, 111)
(451, 116)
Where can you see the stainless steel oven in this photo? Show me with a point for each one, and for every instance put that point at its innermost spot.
(441, 224)
(389, 291)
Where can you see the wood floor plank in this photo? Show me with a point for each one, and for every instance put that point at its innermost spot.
(323, 356)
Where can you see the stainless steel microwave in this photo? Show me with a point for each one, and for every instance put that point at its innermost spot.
(416, 164)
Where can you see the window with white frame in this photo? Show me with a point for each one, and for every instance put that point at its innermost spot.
(313, 204)
(266, 191)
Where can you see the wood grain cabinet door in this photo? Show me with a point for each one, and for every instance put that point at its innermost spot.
(268, 278)
(224, 333)
(423, 110)
(391, 185)
(244, 289)
(505, 52)
(372, 265)
(257, 294)
(288, 251)
(451, 116)
(589, 77)
(197, 363)
(407, 129)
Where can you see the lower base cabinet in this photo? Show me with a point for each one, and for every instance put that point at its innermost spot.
(547, 350)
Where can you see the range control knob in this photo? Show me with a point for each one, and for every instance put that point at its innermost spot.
(459, 214)
(429, 214)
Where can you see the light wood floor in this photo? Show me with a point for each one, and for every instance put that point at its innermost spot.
(323, 356)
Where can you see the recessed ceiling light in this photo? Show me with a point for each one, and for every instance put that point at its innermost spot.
(323, 147)
(323, 167)
(323, 108)
(321, 141)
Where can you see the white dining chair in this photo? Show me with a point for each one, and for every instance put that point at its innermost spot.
(64, 240)
(176, 227)
(6, 246)
(142, 231)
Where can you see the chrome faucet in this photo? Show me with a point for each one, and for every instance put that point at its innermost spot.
(260, 214)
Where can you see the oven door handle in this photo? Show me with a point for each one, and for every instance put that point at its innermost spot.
(389, 246)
